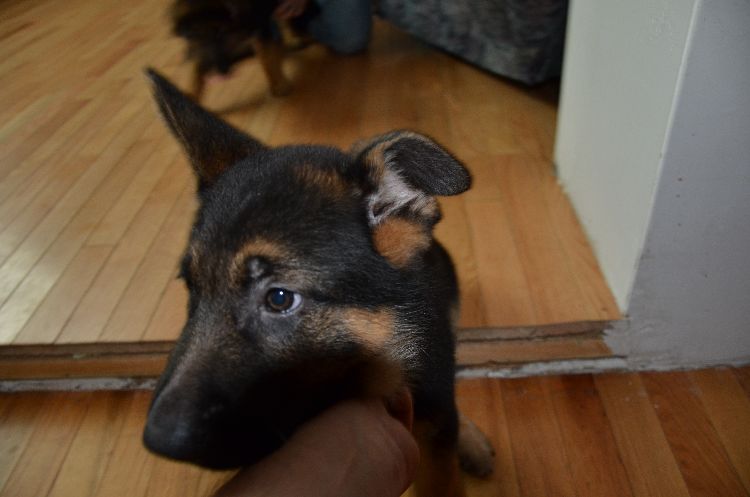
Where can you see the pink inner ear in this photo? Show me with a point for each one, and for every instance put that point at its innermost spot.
(216, 78)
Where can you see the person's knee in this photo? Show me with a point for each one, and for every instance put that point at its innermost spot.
(350, 44)
(343, 25)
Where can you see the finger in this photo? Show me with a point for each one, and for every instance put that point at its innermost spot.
(401, 407)
(392, 446)
(404, 448)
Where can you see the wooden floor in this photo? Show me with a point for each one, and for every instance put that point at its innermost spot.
(615, 435)
(96, 201)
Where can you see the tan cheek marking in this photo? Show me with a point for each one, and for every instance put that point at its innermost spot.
(372, 328)
(399, 240)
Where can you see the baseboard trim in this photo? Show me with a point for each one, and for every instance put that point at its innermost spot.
(477, 348)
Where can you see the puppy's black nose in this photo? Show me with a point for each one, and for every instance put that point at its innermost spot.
(177, 428)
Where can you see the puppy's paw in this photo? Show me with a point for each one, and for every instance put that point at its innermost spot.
(475, 453)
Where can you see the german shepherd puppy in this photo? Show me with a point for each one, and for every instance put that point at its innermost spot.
(313, 277)
(221, 33)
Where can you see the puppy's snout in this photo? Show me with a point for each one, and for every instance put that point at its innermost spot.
(176, 426)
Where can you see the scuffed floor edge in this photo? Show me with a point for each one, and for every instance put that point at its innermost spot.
(77, 384)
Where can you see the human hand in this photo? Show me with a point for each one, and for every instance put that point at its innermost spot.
(289, 9)
(356, 449)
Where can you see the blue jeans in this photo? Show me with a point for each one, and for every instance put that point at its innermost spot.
(342, 25)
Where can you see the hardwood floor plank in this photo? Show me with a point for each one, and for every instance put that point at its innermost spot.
(92, 447)
(33, 289)
(594, 459)
(728, 407)
(17, 421)
(387, 104)
(135, 308)
(454, 233)
(30, 165)
(556, 294)
(37, 131)
(43, 234)
(481, 401)
(484, 126)
(22, 124)
(53, 312)
(94, 310)
(56, 426)
(698, 450)
(172, 478)
(120, 50)
(427, 96)
(574, 242)
(130, 466)
(533, 113)
(109, 365)
(538, 447)
(316, 121)
(524, 350)
(743, 376)
(84, 135)
(211, 481)
(111, 228)
(646, 454)
(505, 288)
(170, 314)
(261, 122)
(484, 182)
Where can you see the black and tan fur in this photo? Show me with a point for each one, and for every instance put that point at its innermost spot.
(221, 33)
(350, 234)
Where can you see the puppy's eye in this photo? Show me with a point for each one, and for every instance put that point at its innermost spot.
(282, 300)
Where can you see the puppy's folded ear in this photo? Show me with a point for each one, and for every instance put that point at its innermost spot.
(211, 144)
(422, 163)
(402, 171)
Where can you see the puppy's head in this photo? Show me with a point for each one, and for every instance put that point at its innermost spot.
(303, 268)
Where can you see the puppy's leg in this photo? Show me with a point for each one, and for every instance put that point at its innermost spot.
(198, 82)
(438, 474)
(291, 39)
(475, 453)
(271, 54)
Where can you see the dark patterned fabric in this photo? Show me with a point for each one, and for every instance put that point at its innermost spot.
(519, 39)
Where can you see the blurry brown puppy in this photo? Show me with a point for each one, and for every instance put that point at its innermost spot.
(221, 33)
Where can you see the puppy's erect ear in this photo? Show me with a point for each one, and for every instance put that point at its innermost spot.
(402, 172)
(211, 144)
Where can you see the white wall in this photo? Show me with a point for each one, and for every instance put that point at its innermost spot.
(621, 67)
(691, 299)
(654, 150)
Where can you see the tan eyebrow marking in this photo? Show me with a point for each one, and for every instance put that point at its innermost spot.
(258, 247)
